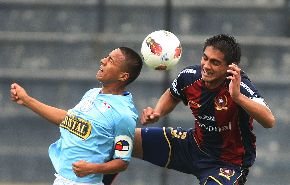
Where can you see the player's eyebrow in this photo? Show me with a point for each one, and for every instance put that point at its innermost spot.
(212, 59)
(111, 58)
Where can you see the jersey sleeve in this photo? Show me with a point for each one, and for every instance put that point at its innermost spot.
(185, 78)
(124, 138)
(248, 89)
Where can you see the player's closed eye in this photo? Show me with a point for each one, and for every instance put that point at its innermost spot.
(216, 62)
(110, 59)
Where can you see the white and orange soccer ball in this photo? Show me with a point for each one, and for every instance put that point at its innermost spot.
(161, 50)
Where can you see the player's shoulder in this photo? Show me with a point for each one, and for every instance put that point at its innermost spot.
(189, 74)
(128, 113)
(247, 87)
(245, 79)
(125, 110)
(244, 76)
(193, 70)
(127, 120)
(93, 91)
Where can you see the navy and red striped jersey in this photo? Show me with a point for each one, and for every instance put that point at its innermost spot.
(222, 128)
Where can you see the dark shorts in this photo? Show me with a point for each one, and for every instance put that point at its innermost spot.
(175, 148)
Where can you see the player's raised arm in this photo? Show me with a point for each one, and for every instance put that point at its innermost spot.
(259, 111)
(20, 96)
(165, 105)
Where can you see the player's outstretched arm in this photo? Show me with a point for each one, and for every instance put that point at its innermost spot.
(20, 96)
(165, 105)
(83, 168)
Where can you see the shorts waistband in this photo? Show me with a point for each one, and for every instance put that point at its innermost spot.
(70, 182)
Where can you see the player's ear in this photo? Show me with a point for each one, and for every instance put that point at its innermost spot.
(124, 76)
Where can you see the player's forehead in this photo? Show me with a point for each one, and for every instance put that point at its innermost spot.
(117, 55)
(214, 53)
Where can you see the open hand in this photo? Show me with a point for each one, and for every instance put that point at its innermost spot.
(235, 77)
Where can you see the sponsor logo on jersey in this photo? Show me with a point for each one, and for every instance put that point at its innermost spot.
(221, 103)
(210, 128)
(123, 145)
(192, 71)
(174, 86)
(206, 117)
(77, 126)
(227, 173)
(248, 89)
(178, 134)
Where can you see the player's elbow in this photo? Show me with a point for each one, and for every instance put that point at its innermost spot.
(270, 123)
(123, 167)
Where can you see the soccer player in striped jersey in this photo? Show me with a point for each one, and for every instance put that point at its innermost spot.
(221, 147)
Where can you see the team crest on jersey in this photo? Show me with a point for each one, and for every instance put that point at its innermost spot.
(227, 173)
(104, 107)
(77, 126)
(221, 103)
(123, 145)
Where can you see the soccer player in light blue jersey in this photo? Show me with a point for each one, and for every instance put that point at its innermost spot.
(97, 134)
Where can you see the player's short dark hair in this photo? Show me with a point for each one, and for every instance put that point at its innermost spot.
(133, 63)
(227, 45)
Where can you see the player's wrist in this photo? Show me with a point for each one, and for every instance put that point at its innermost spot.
(27, 101)
(239, 98)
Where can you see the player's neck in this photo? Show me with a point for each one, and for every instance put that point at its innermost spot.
(214, 84)
(113, 90)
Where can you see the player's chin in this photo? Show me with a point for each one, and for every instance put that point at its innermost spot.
(207, 78)
(99, 77)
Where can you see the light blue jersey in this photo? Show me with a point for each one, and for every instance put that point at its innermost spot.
(100, 127)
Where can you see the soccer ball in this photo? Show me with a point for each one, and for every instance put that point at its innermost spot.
(161, 50)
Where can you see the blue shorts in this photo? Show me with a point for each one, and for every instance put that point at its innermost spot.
(175, 148)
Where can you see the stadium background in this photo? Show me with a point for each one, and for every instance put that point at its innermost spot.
(53, 47)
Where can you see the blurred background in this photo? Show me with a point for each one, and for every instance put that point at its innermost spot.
(53, 49)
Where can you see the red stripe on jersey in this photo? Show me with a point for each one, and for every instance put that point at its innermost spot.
(193, 94)
(217, 126)
(226, 117)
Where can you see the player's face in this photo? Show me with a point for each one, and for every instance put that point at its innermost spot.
(213, 67)
(112, 68)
